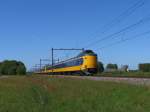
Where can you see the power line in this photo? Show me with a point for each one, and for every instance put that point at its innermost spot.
(127, 39)
(125, 14)
(141, 21)
(122, 16)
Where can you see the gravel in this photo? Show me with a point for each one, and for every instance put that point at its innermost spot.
(135, 81)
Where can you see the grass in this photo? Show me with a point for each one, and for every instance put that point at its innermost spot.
(52, 94)
(125, 74)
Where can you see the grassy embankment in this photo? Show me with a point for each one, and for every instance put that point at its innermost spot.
(51, 94)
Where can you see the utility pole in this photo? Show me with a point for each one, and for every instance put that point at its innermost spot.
(52, 52)
(52, 60)
(40, 65)
(41, 60)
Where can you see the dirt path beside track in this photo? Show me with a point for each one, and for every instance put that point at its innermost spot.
(135, 81)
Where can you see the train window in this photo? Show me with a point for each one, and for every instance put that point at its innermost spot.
(70, 63)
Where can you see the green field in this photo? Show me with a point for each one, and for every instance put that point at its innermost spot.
(52, 94)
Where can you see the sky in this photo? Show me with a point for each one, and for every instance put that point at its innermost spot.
(30, 28)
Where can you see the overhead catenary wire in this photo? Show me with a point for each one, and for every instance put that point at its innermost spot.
(124, 15)
(124, 40)
(140, 22)
(121, 17)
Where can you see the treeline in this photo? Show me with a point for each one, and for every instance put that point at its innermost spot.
(12, 68)
(110, 67)
(145, 67)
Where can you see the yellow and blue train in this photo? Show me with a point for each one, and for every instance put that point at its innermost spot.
(84, 64)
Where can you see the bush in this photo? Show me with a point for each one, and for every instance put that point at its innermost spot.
(145, 67)
(100, 67)
(12, 68)
(0, 67)
(21, 69)
(112, 67)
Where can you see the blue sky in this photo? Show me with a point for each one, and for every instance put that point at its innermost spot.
(30, 28)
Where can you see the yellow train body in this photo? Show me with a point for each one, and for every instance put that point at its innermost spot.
(84, 64)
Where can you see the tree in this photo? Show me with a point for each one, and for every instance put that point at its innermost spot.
(145, 67)
(0, 67)
(21, 69)
(8, 67)
(12, 68)
(112, 66)
(100, 67)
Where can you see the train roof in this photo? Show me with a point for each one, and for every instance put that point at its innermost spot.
(87, 52)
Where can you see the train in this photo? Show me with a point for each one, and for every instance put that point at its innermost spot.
(85, 63)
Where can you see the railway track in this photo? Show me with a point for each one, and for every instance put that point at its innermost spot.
(130, 80)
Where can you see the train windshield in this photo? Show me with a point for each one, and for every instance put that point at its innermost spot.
(89, 52)
(86, 52)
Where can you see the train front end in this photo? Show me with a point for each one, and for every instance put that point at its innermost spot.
(89, 65)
